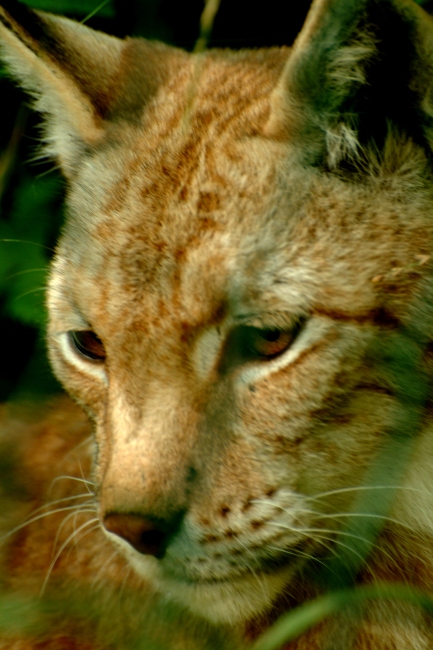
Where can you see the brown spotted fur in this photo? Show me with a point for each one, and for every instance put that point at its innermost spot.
(207, 192)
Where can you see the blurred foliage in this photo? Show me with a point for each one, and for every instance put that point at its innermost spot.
(301, 619)
(76, 7)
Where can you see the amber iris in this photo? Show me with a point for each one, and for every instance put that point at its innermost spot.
(88, 344)
(267, 343)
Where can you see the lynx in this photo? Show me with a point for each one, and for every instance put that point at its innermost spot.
(241, 306)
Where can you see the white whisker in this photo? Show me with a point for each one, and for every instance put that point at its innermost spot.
(364, 488)
(29, 292)
(332, 536)
(84, 478)
(71, 478)
(27, 522)
(296, 553)
(65, 520)
(79, 536)
(304, 511)
(257, 576)
(106, 563)
(93, 522)
(80, 445)
(125, 578)
(62, 500)
(25, 241)
(339, 515)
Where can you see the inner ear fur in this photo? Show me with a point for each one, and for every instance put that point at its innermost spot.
(357, 69)
(82, 80)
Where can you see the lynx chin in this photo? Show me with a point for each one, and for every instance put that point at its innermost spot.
(241, 307)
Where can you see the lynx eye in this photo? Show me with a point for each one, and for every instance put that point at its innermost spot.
(267, 343)
(246, 343)
(88, 344)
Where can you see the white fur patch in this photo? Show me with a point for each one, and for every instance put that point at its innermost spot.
(73, 357)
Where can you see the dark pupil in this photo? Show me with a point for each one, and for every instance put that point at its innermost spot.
(270, 335)
(88, 344)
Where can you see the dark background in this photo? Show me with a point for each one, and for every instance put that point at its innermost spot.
(31, 193)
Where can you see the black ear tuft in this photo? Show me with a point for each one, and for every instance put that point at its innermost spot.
(358, 68)
(27, 24)
(389, 95)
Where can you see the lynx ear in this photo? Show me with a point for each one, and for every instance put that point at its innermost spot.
(357, 68)
(81, 79)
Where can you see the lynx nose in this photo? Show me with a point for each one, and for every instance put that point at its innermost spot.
(145, 535)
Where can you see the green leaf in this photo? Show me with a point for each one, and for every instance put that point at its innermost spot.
(24, 257)
(18, 614)
(299, 620)
(25, 299)
(35, 203)
(75, 7)
(7, 254)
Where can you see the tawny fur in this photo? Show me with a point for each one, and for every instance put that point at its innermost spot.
(212, 197)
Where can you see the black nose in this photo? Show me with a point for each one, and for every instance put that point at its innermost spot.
(147, 536)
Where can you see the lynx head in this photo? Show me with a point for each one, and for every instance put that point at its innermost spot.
(241, 228)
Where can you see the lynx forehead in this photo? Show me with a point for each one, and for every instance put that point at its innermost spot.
(246, 260)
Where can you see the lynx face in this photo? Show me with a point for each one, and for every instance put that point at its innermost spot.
(242, 227)
(222, 359)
